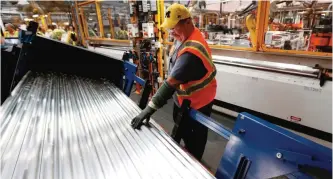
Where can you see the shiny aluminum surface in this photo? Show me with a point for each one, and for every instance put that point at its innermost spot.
(61, 126)
(266, 65)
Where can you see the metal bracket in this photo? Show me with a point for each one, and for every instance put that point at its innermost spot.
(210, 123)
(130, 77)
(300, 159)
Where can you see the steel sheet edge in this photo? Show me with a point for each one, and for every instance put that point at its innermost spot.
(62, 126)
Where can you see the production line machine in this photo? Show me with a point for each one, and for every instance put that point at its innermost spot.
(68, 117)
(294, 93)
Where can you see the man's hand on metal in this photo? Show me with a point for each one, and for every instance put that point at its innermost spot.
(145, 114)
(159, 99)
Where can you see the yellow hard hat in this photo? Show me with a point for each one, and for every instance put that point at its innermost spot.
(174, 14)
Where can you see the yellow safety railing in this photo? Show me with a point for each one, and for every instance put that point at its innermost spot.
(101, 37)
(264, 48)
(257, 34)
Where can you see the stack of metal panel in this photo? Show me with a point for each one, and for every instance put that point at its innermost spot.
(63, 126)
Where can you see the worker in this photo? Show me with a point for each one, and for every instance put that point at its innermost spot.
(192, 77)
(58, 33)
(10, 31)
(22, 26)
(71, 35)
(41, 31)
(49, 31)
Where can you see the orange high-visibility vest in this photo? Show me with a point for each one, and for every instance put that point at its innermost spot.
(200, 92)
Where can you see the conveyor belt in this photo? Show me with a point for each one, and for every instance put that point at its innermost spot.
(61, 126)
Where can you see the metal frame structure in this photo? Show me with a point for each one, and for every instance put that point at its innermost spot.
(130, 77)
(100, 39)
(266, 6)
(261, 26)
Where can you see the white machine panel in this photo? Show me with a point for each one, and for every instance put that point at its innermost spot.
(293, 98)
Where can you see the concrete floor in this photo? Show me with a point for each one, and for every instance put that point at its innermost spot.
(215, 143)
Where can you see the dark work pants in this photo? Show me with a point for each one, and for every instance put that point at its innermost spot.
(195, 134)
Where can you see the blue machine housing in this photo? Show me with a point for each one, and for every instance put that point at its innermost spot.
(259, 149)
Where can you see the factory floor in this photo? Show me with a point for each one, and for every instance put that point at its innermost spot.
(215, 144)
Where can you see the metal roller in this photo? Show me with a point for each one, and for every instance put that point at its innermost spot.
(266, 65)
(64, 126)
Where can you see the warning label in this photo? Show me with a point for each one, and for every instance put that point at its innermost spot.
(295, 119)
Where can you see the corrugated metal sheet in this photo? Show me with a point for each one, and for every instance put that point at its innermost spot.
(60, 126)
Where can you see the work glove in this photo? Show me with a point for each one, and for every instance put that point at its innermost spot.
(158, 100)
(145, 114)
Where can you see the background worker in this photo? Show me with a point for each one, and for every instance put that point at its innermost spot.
(71, 35)
(57, 33)
(49, 31)
(10, 30)
(192, 77)
(41, 31)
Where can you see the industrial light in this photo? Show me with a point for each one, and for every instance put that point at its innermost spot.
(66, 23)
(35, 15)
(53, 23)
(45, 15)
(90, 19)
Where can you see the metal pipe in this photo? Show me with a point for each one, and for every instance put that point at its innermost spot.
(269, 66)
(11, 157)
(211, 124)
(152, 147)
(64, 126)
(9, 105)
(124, 139)
(163, 136)
(13, 120)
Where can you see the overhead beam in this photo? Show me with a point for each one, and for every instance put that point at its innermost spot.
(86, 3)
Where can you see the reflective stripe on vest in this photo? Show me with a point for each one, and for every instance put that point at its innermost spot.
(198, 86)
(196, 45)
